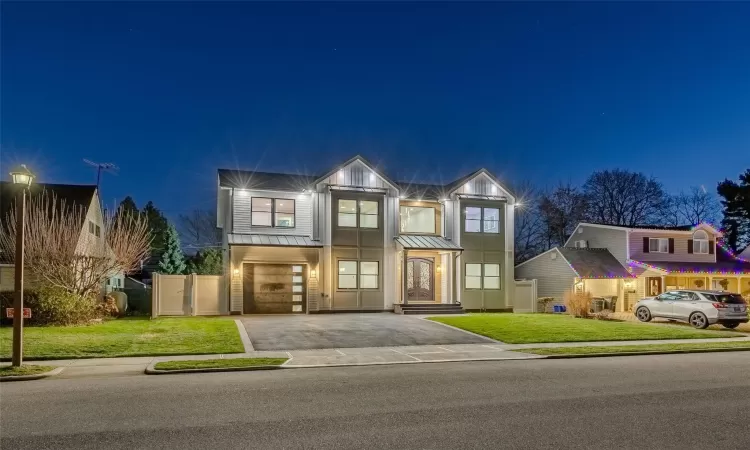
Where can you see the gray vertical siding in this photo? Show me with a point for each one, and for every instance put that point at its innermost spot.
(554, 276)
(616, 241)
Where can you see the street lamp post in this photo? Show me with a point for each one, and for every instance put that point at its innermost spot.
(22, 178)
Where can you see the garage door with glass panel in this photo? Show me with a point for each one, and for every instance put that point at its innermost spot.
(273, 288)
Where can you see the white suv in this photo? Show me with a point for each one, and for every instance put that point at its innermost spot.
(699, 308)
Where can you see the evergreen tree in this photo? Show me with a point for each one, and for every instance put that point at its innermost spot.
(157, 225)
(172, 261)
(206, 262)
(127, 206)
(736, 202)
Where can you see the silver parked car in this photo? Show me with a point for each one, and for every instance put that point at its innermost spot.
(697, 307)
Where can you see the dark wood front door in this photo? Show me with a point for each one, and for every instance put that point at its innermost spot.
(273, 288)
(420, 280)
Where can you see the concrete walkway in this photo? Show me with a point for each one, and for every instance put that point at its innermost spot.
(348, 356)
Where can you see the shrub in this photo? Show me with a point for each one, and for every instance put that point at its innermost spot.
(543, 303)
(604, 314)
(55, 306)
(107, 307)
(578, 304)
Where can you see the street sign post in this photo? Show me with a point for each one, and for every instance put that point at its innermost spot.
(9, 312)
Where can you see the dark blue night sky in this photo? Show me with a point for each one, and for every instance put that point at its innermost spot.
(533, 91)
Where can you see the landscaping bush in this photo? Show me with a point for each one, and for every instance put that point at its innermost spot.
(55, 306)
(578, 304)
(107, 307)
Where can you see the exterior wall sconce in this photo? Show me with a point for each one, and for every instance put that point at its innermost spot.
(313, 273)
(438, 269)
(236, 272)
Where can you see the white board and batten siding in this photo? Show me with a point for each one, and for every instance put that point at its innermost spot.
(482, 185)
(357, 174)
(553, 274)
(242, 212)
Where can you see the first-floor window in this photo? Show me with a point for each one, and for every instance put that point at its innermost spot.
(491, 279)
(359, 275)
(347, 275)
(658, 245)
(482, 276)
(368, 274)
(473, 276)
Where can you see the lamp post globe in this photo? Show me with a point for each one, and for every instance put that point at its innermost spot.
(22, 176)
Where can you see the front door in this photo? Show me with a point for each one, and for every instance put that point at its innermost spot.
(420, 280)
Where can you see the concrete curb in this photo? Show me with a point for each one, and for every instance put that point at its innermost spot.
(643, 353)
(36, 376)
(150, 370)
(246, 342)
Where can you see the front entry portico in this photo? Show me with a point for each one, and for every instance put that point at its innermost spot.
(427, 268)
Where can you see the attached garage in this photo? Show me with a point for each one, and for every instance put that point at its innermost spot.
(273, 288)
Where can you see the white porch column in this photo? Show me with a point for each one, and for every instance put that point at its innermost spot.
(404, 276)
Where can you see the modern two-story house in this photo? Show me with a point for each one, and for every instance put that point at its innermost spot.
(353, 239)
(635, 262)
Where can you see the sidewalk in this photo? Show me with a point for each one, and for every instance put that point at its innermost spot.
(348, 356)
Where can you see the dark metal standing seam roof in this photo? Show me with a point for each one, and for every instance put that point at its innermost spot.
(426, 242)
(272, 240)
(594, 263)
(245, 179)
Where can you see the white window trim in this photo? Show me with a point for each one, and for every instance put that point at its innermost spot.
(658, 245)
(700, 242)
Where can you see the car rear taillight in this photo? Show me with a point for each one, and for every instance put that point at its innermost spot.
(720, 305)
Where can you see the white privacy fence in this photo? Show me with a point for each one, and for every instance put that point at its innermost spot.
(188, 295)
(525, 296)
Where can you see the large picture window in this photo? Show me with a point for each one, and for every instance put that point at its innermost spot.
(353, 212)
(481, 220)
(272, 212)
(417, 219)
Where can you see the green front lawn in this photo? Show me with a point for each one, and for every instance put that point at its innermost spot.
(10, 371)
(128, 337)
(231, 363)
(531, 328)
(742, 345)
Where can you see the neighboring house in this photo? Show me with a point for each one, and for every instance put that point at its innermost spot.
(84, 197)
(660, 259)
(355, 240)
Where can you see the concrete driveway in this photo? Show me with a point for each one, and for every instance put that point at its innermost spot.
(316, 331)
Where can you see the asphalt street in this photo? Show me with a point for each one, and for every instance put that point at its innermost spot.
(659, 402)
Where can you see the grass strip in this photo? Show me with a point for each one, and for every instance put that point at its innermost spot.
(592, 350)
(231, 363)
(31, 369)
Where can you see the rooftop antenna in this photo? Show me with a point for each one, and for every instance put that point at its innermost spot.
(107, 167)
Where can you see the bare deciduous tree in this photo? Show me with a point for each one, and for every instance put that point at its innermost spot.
(561, 210)
(198, 229)
(689, 208)
(529, 227)
(63, 249)
(620, 197)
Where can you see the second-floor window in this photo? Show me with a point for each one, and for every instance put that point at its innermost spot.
(417, 219)
(353, 212)
(700, 242)
(272, 212)
(481, 220)
(658, 245)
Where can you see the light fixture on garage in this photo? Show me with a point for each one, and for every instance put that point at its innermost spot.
(313, 274)
(236, 272)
